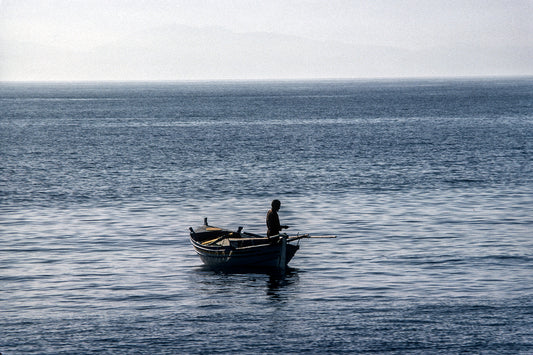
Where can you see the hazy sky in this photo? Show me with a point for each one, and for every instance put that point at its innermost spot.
(222, 39)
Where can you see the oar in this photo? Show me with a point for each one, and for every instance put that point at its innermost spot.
(311, 236)
(211, 242)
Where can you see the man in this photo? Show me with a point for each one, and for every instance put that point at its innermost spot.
(272, 219)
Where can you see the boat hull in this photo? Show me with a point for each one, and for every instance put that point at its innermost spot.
(257, 256)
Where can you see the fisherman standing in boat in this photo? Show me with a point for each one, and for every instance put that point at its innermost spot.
(272, 220)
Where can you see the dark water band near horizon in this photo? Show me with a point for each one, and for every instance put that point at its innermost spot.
(428, 185)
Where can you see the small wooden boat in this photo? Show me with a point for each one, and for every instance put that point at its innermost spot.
(222, 248)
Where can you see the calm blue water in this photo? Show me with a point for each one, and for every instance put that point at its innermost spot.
(428, 185)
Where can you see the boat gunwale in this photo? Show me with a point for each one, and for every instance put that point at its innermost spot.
(198, 245)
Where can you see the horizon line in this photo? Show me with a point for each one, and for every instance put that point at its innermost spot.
(240, 80)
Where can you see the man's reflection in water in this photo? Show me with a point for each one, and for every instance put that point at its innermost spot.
(279, 282)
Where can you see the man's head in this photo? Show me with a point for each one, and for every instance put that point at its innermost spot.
(276, 205)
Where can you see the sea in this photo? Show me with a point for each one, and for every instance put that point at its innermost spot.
(427, 185)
